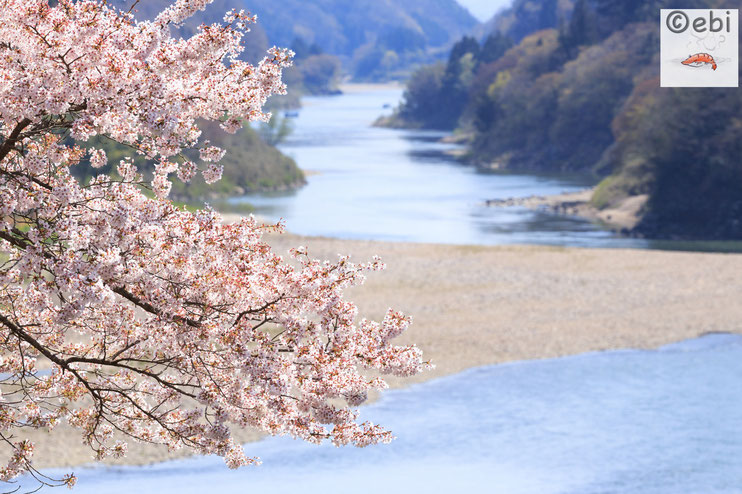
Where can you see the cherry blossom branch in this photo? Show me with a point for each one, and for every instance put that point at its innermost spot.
(12, 139)
(161, 324)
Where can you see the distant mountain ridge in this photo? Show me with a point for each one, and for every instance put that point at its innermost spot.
(341, 27)
(372, 37)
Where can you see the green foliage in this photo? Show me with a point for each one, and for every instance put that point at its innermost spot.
(465, 45)
(314, 72)
(511, 112)
(367, 62)
(586, 98)
(689, 144)
(682, 147)
(436, 95)
(635, 180)
(525, 17)
(421, 98)
(320, 74)
(249, 165)
(544, 104)
(615, 15)
(544, 112)
(365, 34)
(578, 92)
(276, 130)
(592, 89)
(494, 47)
(581, 30)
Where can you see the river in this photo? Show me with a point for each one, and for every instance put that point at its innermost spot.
(400, 185)
(642, 422)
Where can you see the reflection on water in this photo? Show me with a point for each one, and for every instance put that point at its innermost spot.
(659, 422)
(403, 185)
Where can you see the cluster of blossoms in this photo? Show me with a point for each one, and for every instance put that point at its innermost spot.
(159, 324)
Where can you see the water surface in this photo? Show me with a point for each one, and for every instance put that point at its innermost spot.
(400, 185)
(642, 422)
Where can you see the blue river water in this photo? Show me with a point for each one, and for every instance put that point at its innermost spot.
(666, 421)
(403, 185)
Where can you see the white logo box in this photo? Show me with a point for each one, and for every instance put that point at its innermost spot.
(702, 38)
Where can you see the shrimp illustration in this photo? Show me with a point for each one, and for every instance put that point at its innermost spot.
(699, 59)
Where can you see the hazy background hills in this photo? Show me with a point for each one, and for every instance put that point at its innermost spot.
(341, 27)
(373, 39)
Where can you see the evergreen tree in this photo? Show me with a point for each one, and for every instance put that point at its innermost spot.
(548, 16)
(467, 44)
(494, 47)
(621, 12)
(579, 31)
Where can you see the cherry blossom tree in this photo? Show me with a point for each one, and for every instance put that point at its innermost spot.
(126, 316)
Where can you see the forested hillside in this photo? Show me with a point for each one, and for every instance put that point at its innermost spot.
(584, 96)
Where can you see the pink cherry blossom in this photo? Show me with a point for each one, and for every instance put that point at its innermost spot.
(159, 324)
(186, 171)
(211, 153)
(213, 173)
(98, 158)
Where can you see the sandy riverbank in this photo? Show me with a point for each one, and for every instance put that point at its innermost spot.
(483, 305)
